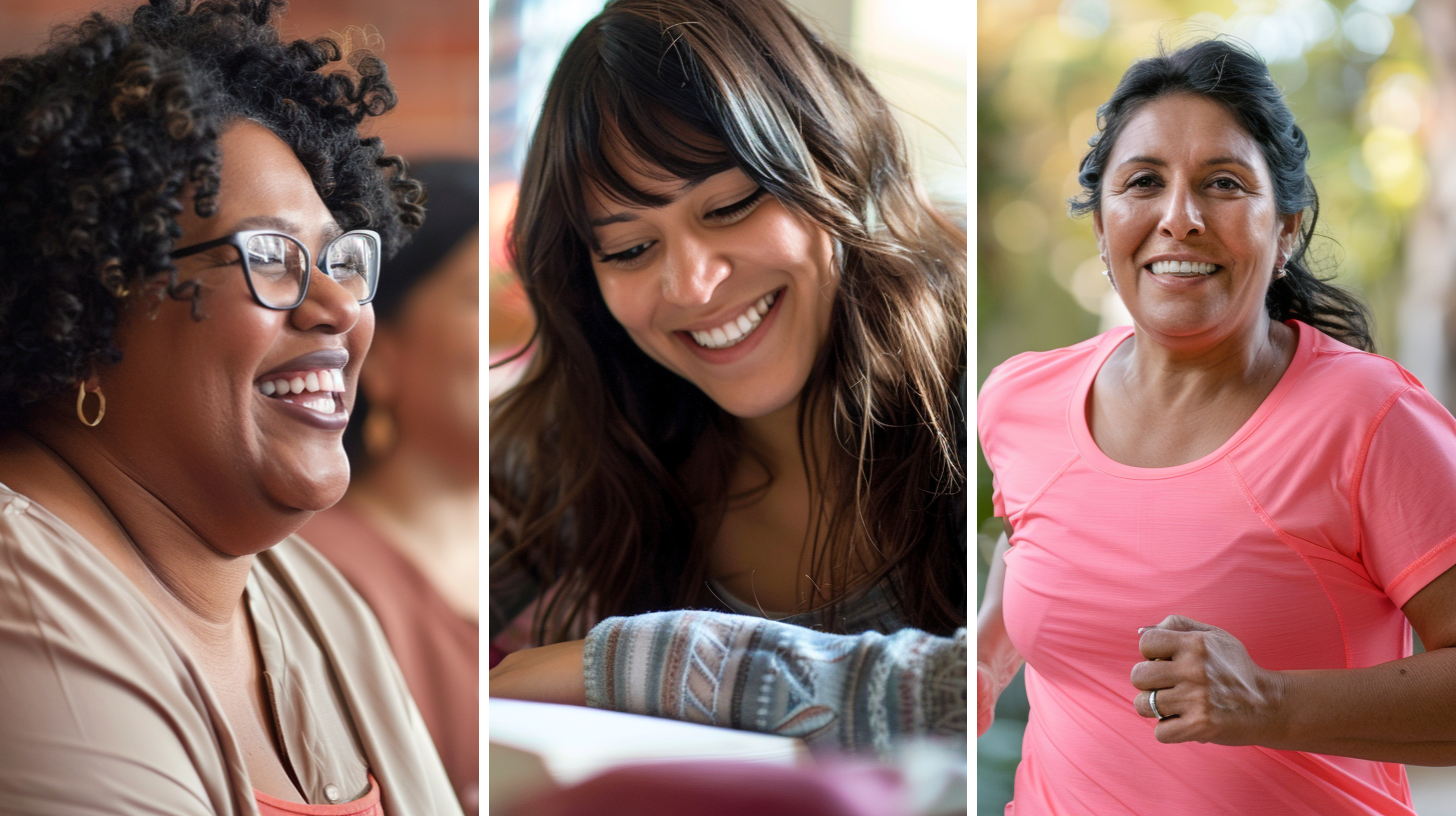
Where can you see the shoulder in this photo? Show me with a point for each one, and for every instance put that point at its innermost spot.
(1335, 361)
(1350, 388)
(1040, 368)
(52, 576)
(1034, 386)
(101, 692)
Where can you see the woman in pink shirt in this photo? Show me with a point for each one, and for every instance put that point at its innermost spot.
(1222, 522)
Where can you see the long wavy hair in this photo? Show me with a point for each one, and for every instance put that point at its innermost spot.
(104, 132)
(1221, 71)
(609, 474)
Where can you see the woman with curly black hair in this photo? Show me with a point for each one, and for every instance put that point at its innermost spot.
(190, 236)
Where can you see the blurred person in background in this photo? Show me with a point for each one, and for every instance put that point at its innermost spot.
(406, 534)
(191, 239)
(1222, 521)
(744, 395)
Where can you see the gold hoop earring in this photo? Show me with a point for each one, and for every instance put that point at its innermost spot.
(81, 410)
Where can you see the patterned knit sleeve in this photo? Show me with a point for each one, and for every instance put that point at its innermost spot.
(847, 692)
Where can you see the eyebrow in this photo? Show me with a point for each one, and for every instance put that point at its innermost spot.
(628, 215)
(273, 222)
(1157, 162)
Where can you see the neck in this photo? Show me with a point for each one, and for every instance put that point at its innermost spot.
(1172, 369)
(197, 588)
(775, 437)
(423, 505)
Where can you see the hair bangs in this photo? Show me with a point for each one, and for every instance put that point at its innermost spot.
(620, 133)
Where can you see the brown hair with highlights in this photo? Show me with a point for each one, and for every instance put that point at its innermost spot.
(607, 472)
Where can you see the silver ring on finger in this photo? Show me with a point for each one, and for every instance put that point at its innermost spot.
(1153, 704)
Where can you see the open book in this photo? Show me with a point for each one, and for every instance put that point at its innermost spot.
(536, 745)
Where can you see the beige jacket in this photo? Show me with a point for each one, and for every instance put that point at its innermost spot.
(102, 711)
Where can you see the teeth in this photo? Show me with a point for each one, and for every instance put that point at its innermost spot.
(324, 404)
(323, 380)
(733, 332)
(1182, 269)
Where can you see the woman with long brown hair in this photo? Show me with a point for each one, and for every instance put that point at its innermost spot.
(745, 388)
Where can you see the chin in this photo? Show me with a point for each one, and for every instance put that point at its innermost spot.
(1178, 322)
(311, 491)
(753, 405)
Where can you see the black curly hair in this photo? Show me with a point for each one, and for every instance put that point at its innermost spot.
(104, 133)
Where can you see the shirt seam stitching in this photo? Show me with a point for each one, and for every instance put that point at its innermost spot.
(1046, 486)
(1421, 562)
(1361, 456)
(1284, 538)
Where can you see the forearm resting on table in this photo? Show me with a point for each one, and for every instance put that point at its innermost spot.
(846, 692)
(1401, 711)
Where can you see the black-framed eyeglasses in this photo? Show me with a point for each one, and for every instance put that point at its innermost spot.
(277, 265)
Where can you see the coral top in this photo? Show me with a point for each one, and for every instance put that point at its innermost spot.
(366, 805)
(1302, 535)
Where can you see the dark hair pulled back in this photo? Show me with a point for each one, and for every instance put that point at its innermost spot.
(1228, 74)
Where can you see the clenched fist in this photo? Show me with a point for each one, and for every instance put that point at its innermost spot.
(1208, 687)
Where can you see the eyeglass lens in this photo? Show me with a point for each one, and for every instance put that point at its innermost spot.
(353, 261)
(278, 266)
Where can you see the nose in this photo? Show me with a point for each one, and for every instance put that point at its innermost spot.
(1182, 215)
(693, 271)
(329, 307)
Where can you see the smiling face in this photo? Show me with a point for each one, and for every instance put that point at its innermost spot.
(723, 286)
(197, 409)
(1188, 224)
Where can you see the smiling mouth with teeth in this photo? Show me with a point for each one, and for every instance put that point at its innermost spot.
(1182, 269)
(315, 389)
(738, 329)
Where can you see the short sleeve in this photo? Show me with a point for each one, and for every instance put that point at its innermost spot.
(1406, 495)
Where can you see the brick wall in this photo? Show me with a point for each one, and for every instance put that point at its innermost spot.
(432, 49)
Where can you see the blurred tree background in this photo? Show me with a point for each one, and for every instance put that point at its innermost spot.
(1365, 80)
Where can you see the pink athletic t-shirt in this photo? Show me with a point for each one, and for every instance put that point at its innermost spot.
(1302, 535)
